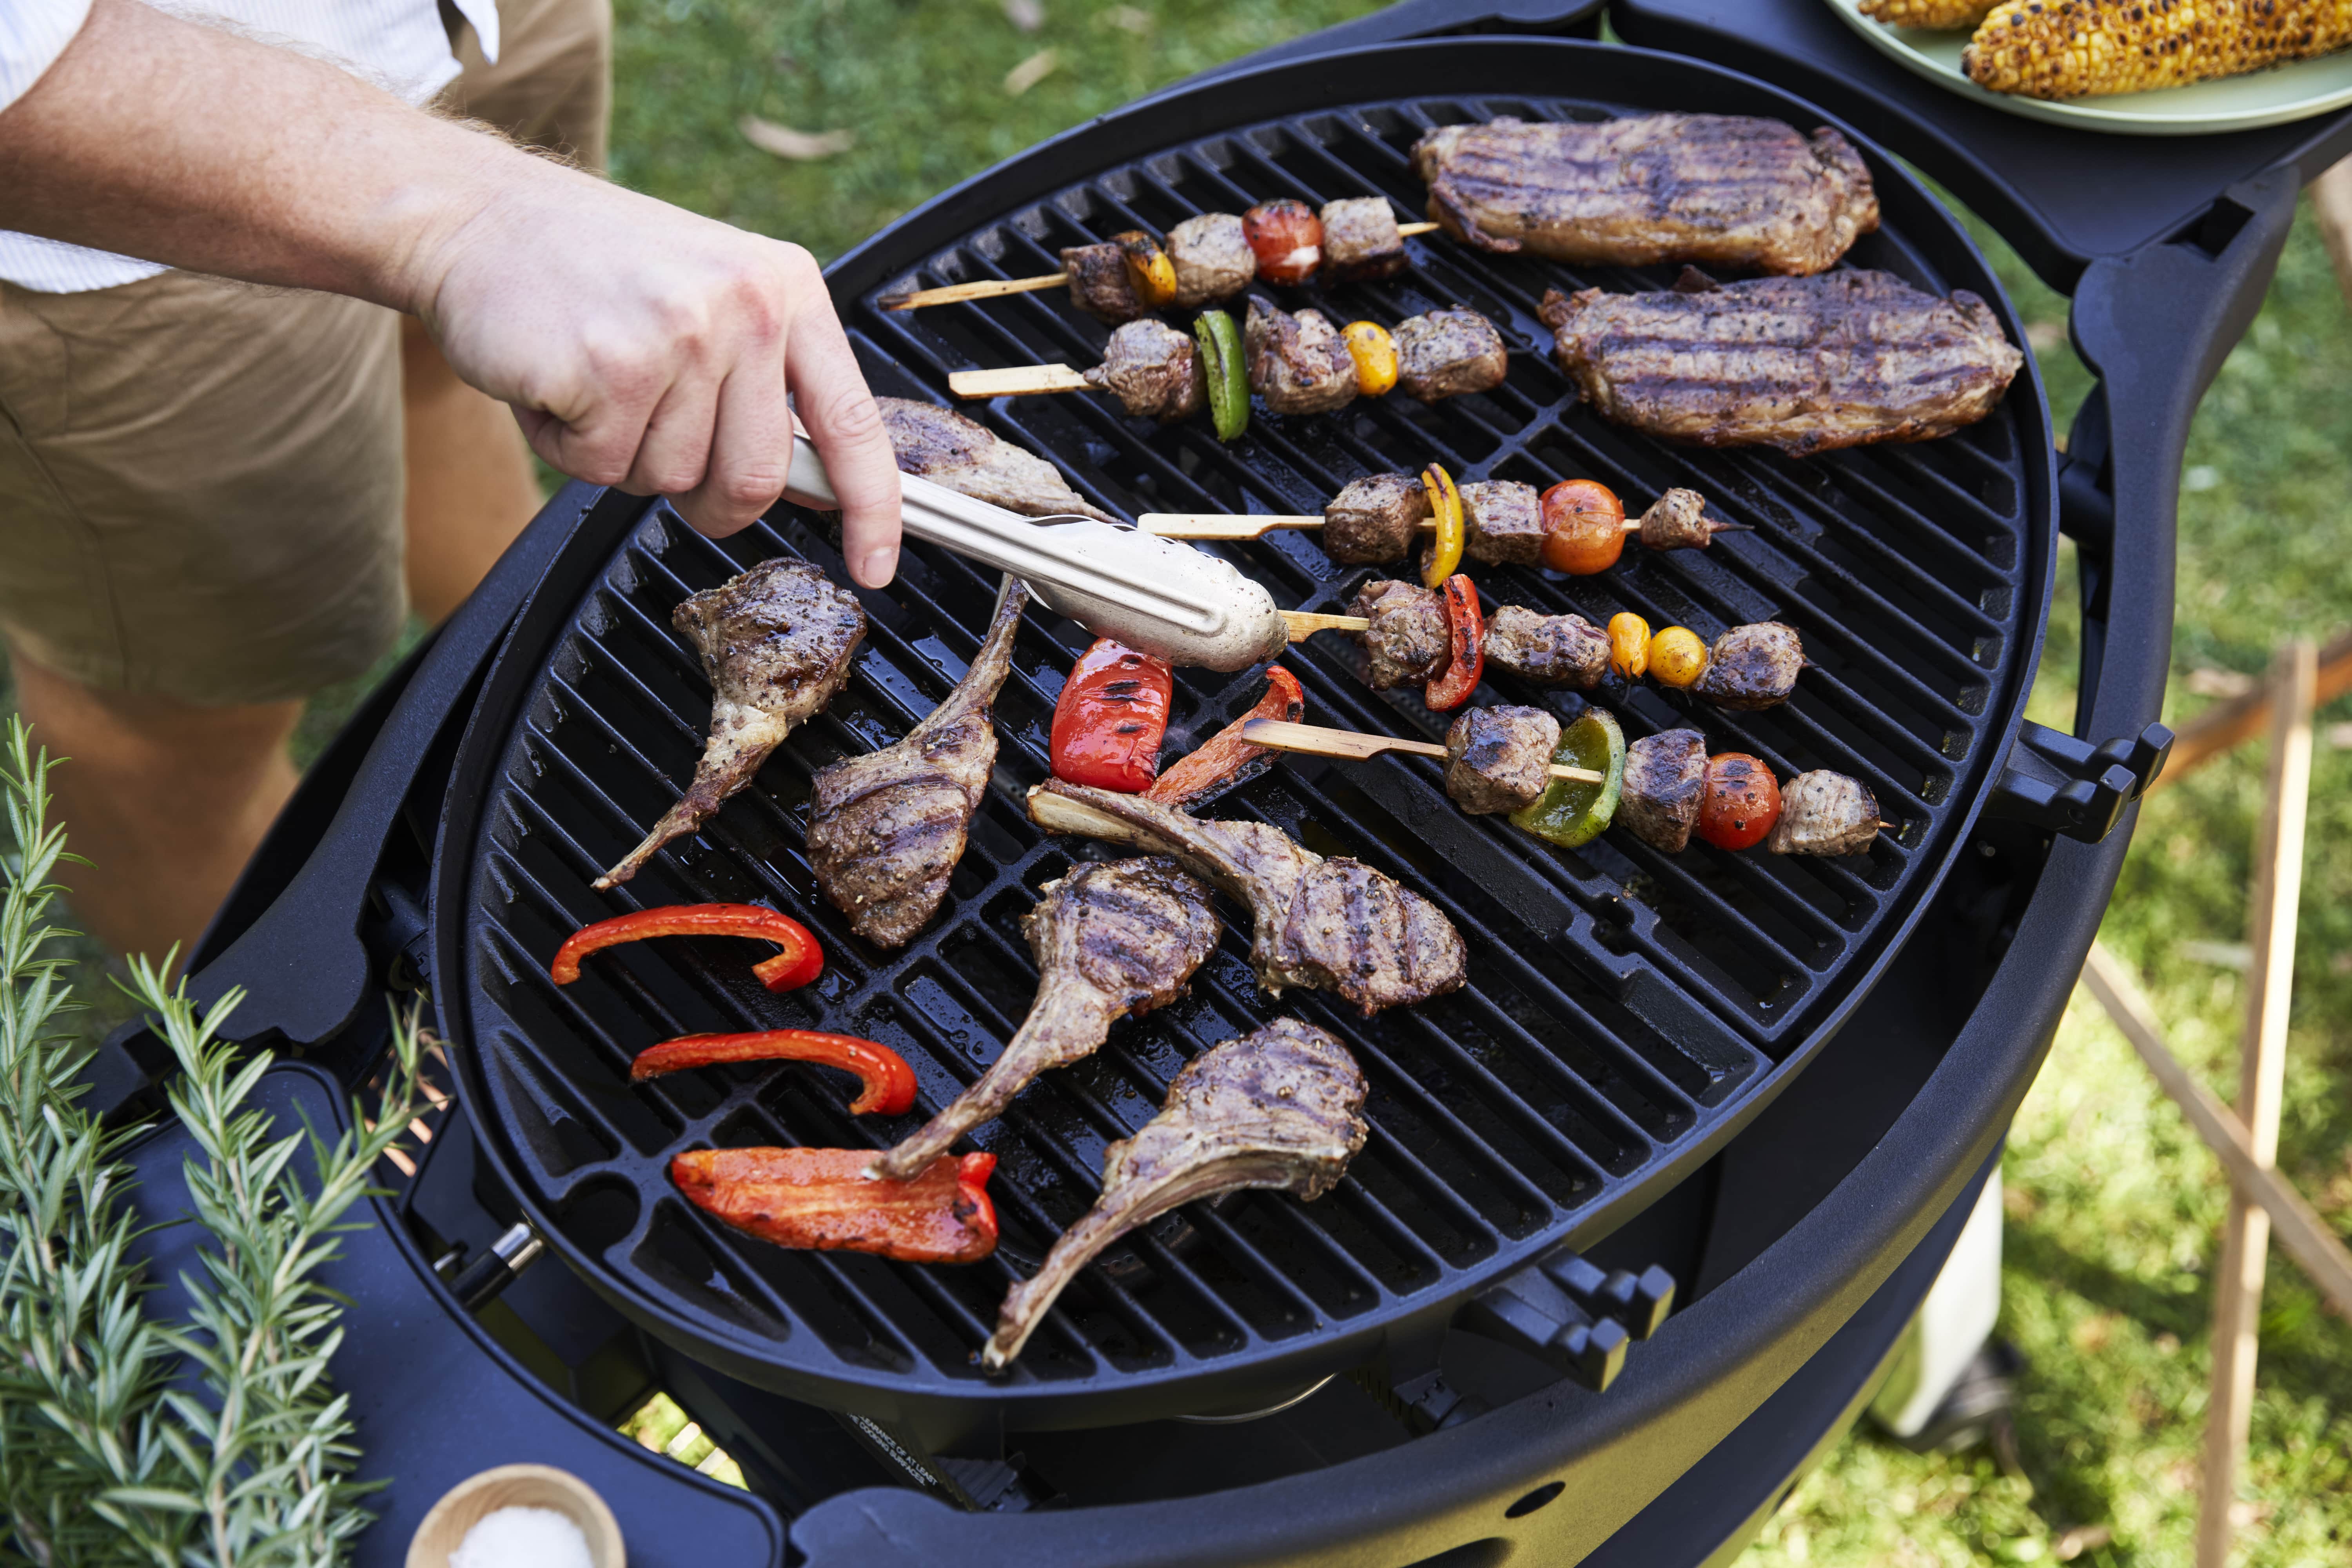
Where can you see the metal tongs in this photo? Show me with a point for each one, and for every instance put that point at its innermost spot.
(1157, 595)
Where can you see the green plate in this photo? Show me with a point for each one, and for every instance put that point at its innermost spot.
(2233, 103)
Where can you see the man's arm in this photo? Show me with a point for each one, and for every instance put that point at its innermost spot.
(640, 345)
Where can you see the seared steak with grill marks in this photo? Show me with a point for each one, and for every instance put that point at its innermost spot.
(1154, 370)
(886, 829)
(1360, 240)
(1406, 640)
(1110, 940)
(1445, 353)
(943, 447)
(1374, 519)
(1333, 925)
(1551, 650)
(1296, 363)
(1212, 258)
(1282, 1107)
(1752, 667)
(776, 643)
(1499, 759)
(1720, 190)
(1806, 365)
(1665, 783)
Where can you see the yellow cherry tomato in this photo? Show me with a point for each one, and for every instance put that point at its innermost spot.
(1629, 644)
(1375, 354)
(1677, 657)
(1445, 508)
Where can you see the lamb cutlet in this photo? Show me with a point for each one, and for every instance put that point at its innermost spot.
(943, 447)
(1718, 190)
(1445, 353)
(776, 643)
(1280, 1108)
(886, 829)
(1110, 940)
(1499, 759)
(1549, 650)
(1297, 363)
(1154, 370)
(1806, 365)
(1331, 925)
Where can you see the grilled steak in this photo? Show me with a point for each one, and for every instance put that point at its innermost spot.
(1282, 1107)
(886, 829)
(1822, 813)
(1504, 522)
(1677, 520)
(943, 447)
(1332, 925)
(1212, 258)
(1499, 759)
(1752, 667)
(1666, 782)
(1445, 353)
(1551, 650)
(1296, 363)
(1406, 641)
(1806, 365)
(1153, 369)
(1099, 284)
(1360, 240)
(776, 643)
(1374, 519)
(1110, 940)
(1718, 190)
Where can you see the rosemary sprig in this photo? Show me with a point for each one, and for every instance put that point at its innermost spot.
(250, 1461)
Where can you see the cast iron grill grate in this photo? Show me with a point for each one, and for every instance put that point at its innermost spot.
(1625, 1010)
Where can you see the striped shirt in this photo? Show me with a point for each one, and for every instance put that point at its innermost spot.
(400, 45)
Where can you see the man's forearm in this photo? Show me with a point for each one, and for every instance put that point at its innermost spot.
(186, 146)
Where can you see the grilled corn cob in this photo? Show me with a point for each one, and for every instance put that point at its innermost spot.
(1926, 13)
(2081, 48)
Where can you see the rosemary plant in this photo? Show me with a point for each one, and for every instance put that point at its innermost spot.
(219, 1440)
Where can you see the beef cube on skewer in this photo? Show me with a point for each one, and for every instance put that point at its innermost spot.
(1822, 813)
(1551, 650)
(1213, 257)
(1752, 667)
(1677, 520)
(1153, 369)
(1297, 363)
(1406, 638)
(1504, 522)
(1099, 283)
(1373, 518)
(1499, 759)
(1447, 352)
(1665, 783)
(1360, 240)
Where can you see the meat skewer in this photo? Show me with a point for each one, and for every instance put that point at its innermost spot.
(887, 828)
(776, 643)
(1280, 1108)
(1331, 925)
(1314, 741)
(1110, 940)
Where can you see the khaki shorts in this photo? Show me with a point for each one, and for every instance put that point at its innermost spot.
(200, 482)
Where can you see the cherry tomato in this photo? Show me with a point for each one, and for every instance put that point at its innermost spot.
(1629, 644)
(1584, 527)
(1678, 658)
(1287, 237)
(1741, 804)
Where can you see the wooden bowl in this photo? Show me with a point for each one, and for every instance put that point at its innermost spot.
(466, 1504)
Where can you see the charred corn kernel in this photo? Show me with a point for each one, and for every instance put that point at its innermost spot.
(1150, 272)
(2083, 48)
(1446, 509)
(1677, 657)
(1629, 644)
(1374, 351)
(1926, 13)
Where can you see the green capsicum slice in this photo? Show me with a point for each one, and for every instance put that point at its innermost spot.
(1221, 360)
(1572, 814)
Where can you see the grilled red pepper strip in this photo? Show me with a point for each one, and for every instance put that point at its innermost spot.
(889, 1081)
(1226, 760)
(1465, 640)
(823, 1198)
(801, 961)
(1111, 717)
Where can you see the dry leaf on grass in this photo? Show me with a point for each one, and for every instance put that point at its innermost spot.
(801, 146)
(1031, 72)
(1026, 15)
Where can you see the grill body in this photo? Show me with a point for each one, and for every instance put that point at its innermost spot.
(1628, 1011)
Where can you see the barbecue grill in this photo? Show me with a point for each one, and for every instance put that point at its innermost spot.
(1760, 1090)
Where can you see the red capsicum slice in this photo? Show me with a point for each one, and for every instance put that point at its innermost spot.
(1110, 718)
(800, 962)
(823, 1198)
(1226, 760)
(889, 1081)
(1465, 640)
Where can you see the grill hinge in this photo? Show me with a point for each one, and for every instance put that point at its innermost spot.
(1573, 1315)
(2061, 784)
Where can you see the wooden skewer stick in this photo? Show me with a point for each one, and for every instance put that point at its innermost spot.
(1314, 741)
(1304, 623)
(1219, 526)
(994, 288)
